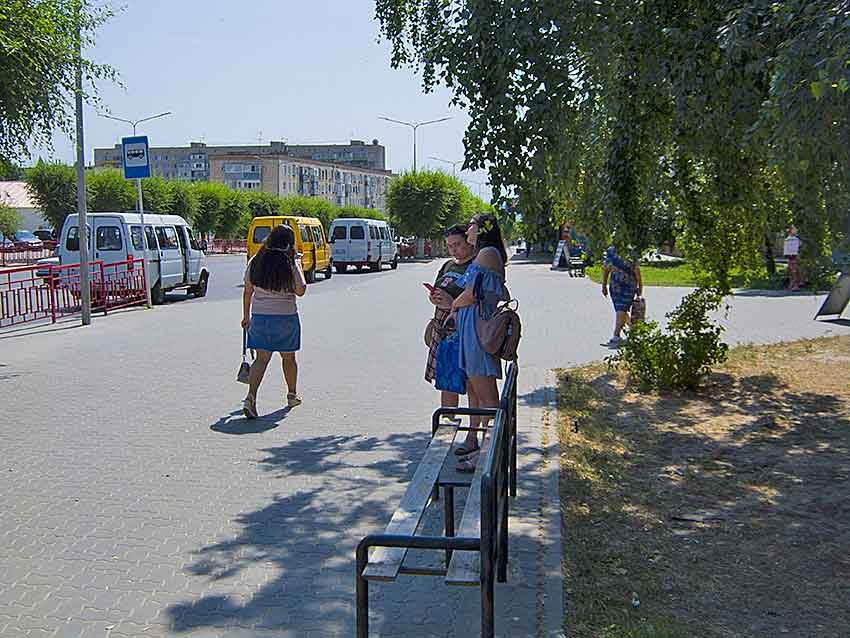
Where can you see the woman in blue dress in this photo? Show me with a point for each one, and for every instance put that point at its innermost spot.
(484, 288)
(626, 284)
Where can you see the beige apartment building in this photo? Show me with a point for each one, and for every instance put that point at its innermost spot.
(339, 184)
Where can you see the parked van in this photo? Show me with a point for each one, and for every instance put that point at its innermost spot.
(362, 242)
(310, 241)
(173, 258)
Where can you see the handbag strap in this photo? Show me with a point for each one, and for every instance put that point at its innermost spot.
(244, 344)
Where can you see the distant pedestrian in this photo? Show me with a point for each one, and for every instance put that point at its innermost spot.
(791, 250)
(444, 291)
(626, 283)
(484, 287)
(273, 280)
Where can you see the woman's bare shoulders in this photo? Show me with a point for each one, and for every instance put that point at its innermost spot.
(490, 258)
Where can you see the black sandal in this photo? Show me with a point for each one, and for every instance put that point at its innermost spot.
(462, 450)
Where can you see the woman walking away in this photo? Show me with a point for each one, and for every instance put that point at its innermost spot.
(484, 288)
(273, 280)
(441, 294)
(626, 283)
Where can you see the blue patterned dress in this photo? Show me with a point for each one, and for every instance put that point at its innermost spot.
(622, 282)
(490, 290)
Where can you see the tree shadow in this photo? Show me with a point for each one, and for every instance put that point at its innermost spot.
(727, 499)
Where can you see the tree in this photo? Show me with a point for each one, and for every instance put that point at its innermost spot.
(621, 110)
(261, 203)
(54, 189)
(425, 202)
(158, 196)
(363, 213)
(108, 191)
(233, 211)
(211, 198)
(10, 221)
(309, 207)
(9, 171)
(184, 201)
(38, 64)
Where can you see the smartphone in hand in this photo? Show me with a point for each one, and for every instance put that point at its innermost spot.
(429, 287)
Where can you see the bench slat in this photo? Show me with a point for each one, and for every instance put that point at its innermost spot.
(386, 561)
(465, 567)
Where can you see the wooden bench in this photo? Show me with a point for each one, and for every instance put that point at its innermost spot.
(476, 555)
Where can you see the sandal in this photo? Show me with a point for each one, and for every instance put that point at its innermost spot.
(293, 399)
(466, 467)
(249, 407)
(463, 450)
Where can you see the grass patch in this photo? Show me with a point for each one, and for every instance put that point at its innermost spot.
(723, 512)
(681, 274)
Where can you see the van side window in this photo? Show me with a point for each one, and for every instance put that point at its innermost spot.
(373, 232)
(73, 240)
(384, 233)
(181, 239)
(151, 237)
(136, 237)
(305, 236)
(260, 234)
(339, 232)
(317, 236)
(108, 238)
(357, 232)
(167, 237)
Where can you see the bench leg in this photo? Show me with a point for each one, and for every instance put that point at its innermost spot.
(449, 516)
(362, 592)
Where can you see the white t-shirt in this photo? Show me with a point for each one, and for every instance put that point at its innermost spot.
(792, 246)
(270, 302)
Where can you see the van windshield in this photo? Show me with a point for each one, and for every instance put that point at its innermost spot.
(260, 234)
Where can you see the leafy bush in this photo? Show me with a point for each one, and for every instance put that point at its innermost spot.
(680, 357)
(9, 220)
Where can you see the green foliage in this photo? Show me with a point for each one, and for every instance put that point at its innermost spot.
(157, 195)
(54, 189)
(635, 121)
(425, 202)
(10, 221)
(9, 171)
(184, 201)
(211, 199)
(260, 203)
(108, 191)
(301, 205)
(38, 63)
(680, 357)
(232, 215)
(358, 212)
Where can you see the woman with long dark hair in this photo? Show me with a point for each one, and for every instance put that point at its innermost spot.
(484, 288)
(273, 280)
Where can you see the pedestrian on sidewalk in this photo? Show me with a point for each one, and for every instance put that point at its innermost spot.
(442, 294)
(484, 287)
(626, 284)
(791, 250)
(273, 281)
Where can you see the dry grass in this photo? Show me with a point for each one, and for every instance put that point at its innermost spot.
(724, 513)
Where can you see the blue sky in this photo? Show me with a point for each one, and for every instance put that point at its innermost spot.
(303, 70)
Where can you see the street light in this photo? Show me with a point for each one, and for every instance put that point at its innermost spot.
(414, 126)
(139, 205)
(455, 163)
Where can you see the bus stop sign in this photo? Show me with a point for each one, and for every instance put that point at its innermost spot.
(135, 157)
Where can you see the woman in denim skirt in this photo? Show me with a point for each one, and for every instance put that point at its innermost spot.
(273, 281)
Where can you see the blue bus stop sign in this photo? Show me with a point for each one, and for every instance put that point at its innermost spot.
(135, 157)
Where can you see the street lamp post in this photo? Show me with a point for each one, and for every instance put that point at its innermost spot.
(454, 164)
(414, 126)
(139, 203)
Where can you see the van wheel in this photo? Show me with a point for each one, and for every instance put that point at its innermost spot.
(394, 265)
(200, 290)
(310, 275)
(341, 268)
(157, 295)
(376, 266)
(329, 271)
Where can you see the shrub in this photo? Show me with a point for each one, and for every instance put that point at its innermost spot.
(680, 357)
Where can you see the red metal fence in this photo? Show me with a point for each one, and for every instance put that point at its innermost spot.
(227, 246)
(33, 293)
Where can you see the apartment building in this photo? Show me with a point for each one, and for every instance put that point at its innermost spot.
(192, 163)
(340, 184)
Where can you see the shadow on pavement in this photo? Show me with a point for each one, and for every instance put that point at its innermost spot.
(241, 425)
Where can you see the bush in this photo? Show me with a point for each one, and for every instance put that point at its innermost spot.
(679, 358)
(9, 220)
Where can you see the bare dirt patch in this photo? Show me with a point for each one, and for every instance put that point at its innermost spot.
(719, 513)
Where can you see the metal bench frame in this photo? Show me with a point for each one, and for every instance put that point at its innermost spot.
(498, 480)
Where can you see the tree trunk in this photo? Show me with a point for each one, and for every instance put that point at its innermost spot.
(769, 261)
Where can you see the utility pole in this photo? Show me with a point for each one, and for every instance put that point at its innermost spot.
(82, 221)
(414, 126)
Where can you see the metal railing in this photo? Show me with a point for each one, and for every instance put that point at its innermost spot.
(48, 292)
(226, 246)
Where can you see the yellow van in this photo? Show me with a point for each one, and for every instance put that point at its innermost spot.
(310, 241)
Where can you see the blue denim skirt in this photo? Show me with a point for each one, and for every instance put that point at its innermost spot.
(275, 333)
